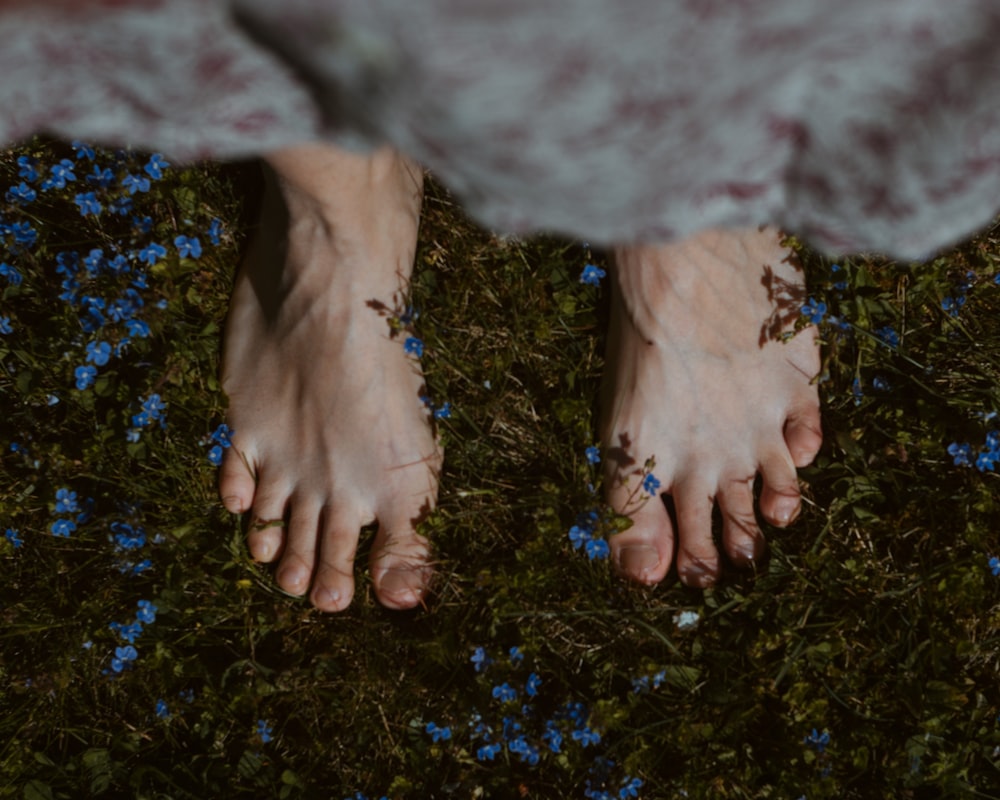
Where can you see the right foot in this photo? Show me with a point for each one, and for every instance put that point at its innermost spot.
(330, 433)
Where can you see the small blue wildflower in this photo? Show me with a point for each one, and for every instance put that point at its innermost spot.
(188, 247)
(579, 536)
(488, 752)
(60, 174)
(597, 549)
(11, 534)
(13, 277)
(214, 232)
(650, 484)
(152, 253)
(22, 194)
(161, 709)
(121, 206)
(593, 455)
(818, 741)
(630, 788)
(88, 204)
(98, 353)
(993, 440)
(66, 502)
(142, 566)
(135, 183)
(443, 411)
(155, 166)
(62, 527)
(24, 234)
(144, 225)
(985, 462)
(814, 311)
(553, 737)
(994, 565)
(27, 168)
(147, 612)
(953, 304)
(137, 327)
(437, 734)
(592, 275)
(5, 327)
(154, 406)
(264, 731)
(962, 453)
(414, 346)
(880, 384)
(83, 150)
(887, 335)
(586, 736)
(215, 455)
(480, 659)
(504, 692)
(102, 178)
(856, 391)
(124, 656)
(532, 684)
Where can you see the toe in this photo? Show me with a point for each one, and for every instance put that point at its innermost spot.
(400, 565)
(266, 535)
(803, 435)
(236, 482)
(643, 552)
(741, 536)
(296, 567)
(333, 587)
(780, 502)
(697, 558)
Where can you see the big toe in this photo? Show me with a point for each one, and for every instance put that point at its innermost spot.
(643, 552)
(236, 481)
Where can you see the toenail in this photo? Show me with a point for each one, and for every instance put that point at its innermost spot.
(291, 580)
(639, 561)
(265, 550)
(233, 504)
(697, 577)
(402, 584)
(787, 510)
(326, 598)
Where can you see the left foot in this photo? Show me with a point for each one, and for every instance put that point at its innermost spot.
(699, 381)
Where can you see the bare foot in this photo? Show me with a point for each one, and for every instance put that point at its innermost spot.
(699, 381)
(330, 432)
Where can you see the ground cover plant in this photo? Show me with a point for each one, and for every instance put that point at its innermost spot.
(143, 653)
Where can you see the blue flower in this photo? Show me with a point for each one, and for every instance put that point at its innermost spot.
(962, 453)
(121, 205)
(24, 234)
(11, 535)
(188, 247)
(480, 659)
(135, 183)
(155, 166)
(531, 687)
(61, 172)
(880, 384)
(152, 253)
(82, 150)
(222, 435)
(88, 203)
(63, 527)
(553, 736)
(651, 484)
(593, 455)
(102, 178)
(5, 327)
(488, 751)
(215, 455)
(817, 741)
(264, 731)
(124, 656)
(597, 548)
(13, 277)
(147, 612)
(438, 734)
(504, 692)
(137, 327)
(66, 502)
(84, 376)
(586, 736)
(856, 391)
(814, 311)
(592, 275)
(154, 406)
(953, 304)
(994, 565)
(22, 194)
(98, 353)
(26, 168)
(214, 232)
(142, 566)
(579, 536)
(888, 336)
(414, 346)
(630, 788)
(443, 411)
(94, 261)
(985, 462)
(161, 709)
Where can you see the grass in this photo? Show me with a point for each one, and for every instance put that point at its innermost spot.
(859, 661)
